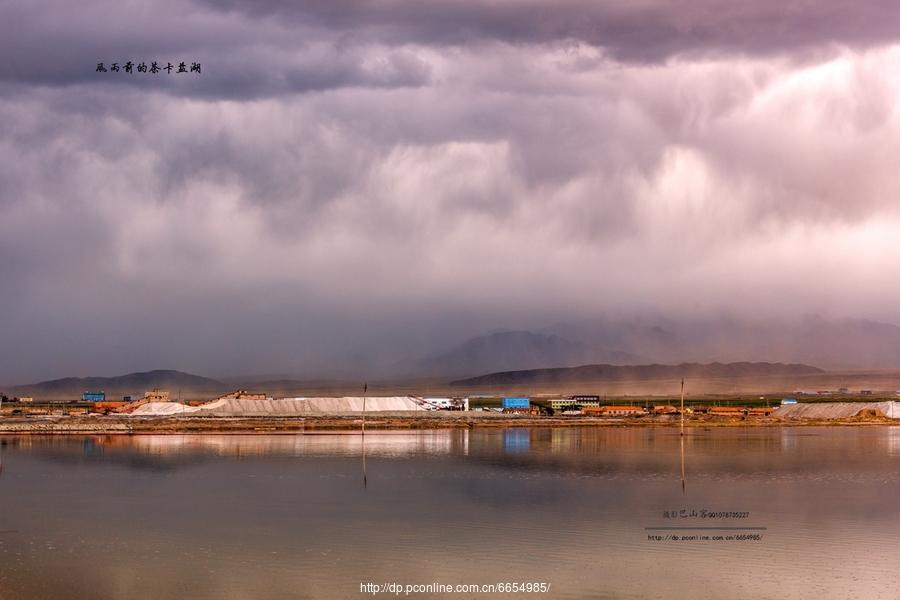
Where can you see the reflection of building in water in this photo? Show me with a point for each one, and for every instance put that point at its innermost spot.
(516, 439)
(789, 439)
(893, 434)
(569, 442)
(91, 447)
(561, 440)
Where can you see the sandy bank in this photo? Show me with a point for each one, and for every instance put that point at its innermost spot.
(395, 420)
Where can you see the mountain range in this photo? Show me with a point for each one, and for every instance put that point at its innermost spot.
(813, 340)
(832, 344)
(616, 373)
(132, 384)
(511, 350)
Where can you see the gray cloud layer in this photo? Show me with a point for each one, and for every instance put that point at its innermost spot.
(344, 175)
(649, 30)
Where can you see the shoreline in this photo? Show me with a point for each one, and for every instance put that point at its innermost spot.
(74, 425)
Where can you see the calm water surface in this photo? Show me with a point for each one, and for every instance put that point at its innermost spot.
(290, 516)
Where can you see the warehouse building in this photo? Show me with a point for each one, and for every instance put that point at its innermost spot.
(579, 399)
(243, 395)
(615, 411)
(156, 395)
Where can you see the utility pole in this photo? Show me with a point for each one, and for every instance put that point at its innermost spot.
(682, 406)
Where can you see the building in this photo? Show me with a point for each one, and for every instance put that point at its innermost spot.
(580, 400)
(531, 410)
(433, 403)
(156, 396)
(26, 399)
(107, 407)
(560, 403)
(439, 403)
(762, 411)
(615, 411)
(450, 404)
(623, 411)
(585, 399)
(242, 395)
(728, 411)
(665, 410)
(515, 403)
(93, 397)
(788, 401)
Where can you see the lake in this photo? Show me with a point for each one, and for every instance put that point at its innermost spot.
(767, 512)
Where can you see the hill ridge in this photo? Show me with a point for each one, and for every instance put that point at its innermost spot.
(607, 372)
(136, 382)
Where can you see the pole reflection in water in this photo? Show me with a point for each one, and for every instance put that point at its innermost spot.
(365, 482)
(365, 393)
(681, 437)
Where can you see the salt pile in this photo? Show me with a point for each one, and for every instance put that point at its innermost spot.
(282, 407)
(303, 406)
(836, 410)
(159, 409)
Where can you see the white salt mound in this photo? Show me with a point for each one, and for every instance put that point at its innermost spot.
(304, 406)
(157, 409)
(283, 407)
(835, 410)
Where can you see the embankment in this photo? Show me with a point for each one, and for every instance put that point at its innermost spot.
(118, 424)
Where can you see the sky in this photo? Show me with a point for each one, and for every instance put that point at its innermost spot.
(364, 182)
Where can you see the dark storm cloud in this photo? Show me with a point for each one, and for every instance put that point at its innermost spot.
(58, 45)
(270, 47)
(648, 30)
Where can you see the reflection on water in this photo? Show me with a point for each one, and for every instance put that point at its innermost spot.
(392, 443)
(313, 516)
(516, 439)
(894, 441)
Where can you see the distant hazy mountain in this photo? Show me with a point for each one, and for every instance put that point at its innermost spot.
(609, 373)
(832, 344)
(508, 350)
(131, 384)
